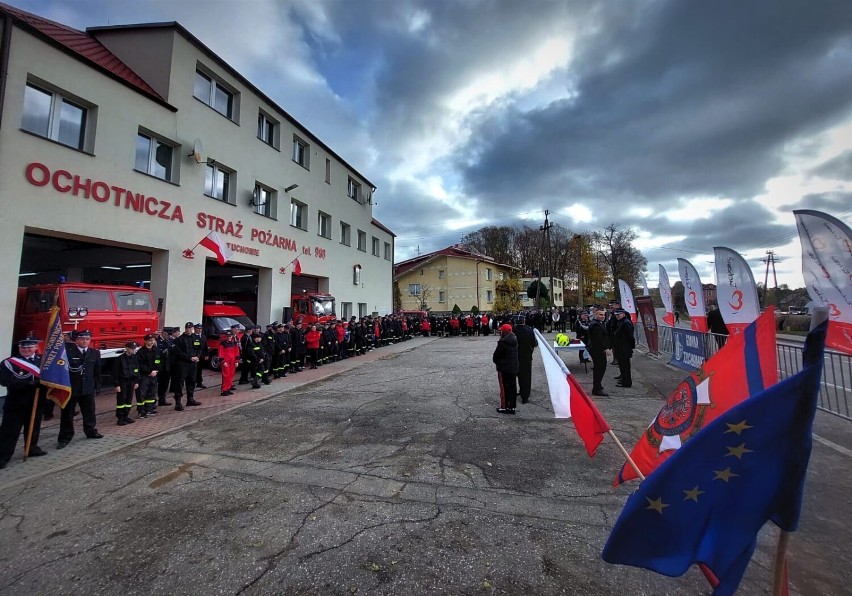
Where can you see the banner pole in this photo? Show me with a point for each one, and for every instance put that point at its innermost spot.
(779, 576)
(626, 455)
(31, 426)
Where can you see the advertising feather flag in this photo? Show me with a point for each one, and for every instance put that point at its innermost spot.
(644, 282)
(744, 366)
(569, 400)
(827, 269)
(627, 301)
(54, 363)
(693, 295)
(707, 503)
(736, 291)
(215, 243)
(666, 296)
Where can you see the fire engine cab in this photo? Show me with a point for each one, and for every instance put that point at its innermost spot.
(310, 307)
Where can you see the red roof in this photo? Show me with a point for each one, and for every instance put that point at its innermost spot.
(82, 45)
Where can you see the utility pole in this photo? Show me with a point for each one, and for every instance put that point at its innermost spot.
(579, 239)
(546, 229)
(770, 261)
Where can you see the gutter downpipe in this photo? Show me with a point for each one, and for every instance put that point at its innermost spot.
(5, 47)
(477, 283)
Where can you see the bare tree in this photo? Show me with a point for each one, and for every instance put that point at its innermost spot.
(426, 292)
(615, 246)
(497, 242)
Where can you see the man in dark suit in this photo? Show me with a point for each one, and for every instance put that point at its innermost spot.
(84, 366)
(20, 377)
(526, 346)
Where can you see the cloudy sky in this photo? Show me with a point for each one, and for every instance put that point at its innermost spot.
(700, 124)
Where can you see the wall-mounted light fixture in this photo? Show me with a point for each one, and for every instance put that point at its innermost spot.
(356, 275)
(291, 187)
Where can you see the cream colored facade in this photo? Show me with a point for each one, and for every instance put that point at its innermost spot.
(93, 194)
(451, 280)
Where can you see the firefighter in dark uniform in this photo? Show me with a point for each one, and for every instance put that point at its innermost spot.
(205, 356)
(21, 391)
(165, 343)
(269, 349)
(297, 338)
(84, 366)
(175, 382)
(624, 341)
(254, 355)
(126, 376)
(188, 354)
(282, 351)
(150, 361)
(245, 344)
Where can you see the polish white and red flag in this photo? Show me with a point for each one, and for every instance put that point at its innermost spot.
(569, 400)
(693, 295)
(666, 296)
(736, 291)
(827, 269)
(214, 242)
(627, 301)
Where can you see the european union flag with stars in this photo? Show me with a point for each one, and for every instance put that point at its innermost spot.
(708, 501)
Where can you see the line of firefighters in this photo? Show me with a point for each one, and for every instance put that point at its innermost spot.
(171, 361)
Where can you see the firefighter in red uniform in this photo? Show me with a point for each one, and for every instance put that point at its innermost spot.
(229, 355)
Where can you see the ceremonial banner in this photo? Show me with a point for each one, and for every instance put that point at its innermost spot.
(827, 269)
(627, 302)
(707, 503)
(736, 291)
(666, 296)
(744, 366)
(569, 400)
(693, 295)
(54, 363)
(648, 316)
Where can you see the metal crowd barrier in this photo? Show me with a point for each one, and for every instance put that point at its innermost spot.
(835, 395)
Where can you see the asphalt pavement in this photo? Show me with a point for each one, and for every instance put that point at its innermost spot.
(390, 473)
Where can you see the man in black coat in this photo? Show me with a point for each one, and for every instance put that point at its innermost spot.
(506, 358)
(623, 343)
(84, 366)
(165, 344)
(19, 376)
(599, 350)
(205, 355)
(188, 356)
(526, 347)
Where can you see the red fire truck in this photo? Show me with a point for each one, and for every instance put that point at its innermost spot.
(114, 314)
(311, 307)
(218, 316)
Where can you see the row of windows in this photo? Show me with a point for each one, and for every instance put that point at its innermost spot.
(53, 115)
(58, 117)
(415, 289)
(489, 274)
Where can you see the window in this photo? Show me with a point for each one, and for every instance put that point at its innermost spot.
(327, 171)
(298, 214)
(155, 156)
(52, 116)
(267, 129)
(440, 274)
(388, 252)
(362, 241)
(353, 190)
(324, 225)
(489, 274)
(375, 246)
(414, 289)
(362, 310)
(263, 200)
(301, 152)
(217, 182)
(489, 296)
(345, 234)
(442, 296)
(346, 308)
(214, 94)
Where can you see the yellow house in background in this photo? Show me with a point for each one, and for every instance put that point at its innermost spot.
(439, 280)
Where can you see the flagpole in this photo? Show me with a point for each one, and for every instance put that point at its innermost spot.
(626, 455)
(779, 577)
(32, 424)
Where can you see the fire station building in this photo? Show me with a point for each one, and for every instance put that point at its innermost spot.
(122, 147)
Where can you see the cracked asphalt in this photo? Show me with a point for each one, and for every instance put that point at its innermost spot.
(395, 477)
